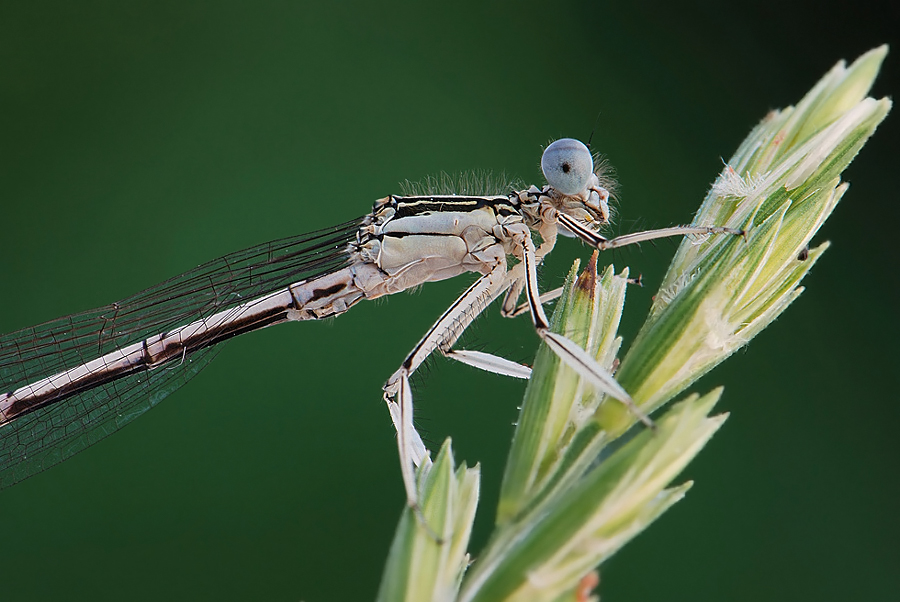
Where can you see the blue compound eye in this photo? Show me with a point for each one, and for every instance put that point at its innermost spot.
(567, 164)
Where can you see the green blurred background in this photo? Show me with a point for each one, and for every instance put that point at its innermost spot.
(139, 139)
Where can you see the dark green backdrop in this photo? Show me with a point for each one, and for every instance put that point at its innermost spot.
(140, 139)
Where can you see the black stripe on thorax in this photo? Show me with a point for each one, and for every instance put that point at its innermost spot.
(417, 205)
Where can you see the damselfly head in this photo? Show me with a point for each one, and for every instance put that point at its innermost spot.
(569, 168)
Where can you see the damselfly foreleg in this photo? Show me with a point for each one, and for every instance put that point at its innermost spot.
(573, 355)
(511, 310)
(604, 244)
(567, 350)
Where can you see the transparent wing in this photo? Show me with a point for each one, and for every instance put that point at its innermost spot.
(40, 439)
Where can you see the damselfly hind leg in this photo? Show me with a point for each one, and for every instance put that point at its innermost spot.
(441, 337)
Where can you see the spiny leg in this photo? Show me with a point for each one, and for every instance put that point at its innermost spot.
(602, 243)
(490, 363)
(452, 323)
(523, 308)
(410, 446)
(605, 244)
(545, 298)
(509, 309)
(568, 351)
(408, 439)
(441, 336)
(462, 313)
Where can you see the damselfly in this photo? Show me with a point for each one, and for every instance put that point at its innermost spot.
(70, 382)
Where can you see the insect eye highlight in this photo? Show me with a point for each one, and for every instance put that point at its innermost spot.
(567, 164)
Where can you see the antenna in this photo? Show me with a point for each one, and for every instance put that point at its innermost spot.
(594, 129)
